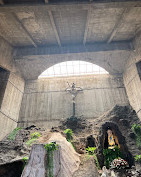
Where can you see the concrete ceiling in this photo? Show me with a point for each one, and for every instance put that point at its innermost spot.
(44, 30)
(69, 23)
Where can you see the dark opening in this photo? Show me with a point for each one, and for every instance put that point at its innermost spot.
(138, 65)
(4, 75)
(90, 141)
(12, 169)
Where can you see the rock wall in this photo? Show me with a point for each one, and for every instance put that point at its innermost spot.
(45, 101)
(131, 77)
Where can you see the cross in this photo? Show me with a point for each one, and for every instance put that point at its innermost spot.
(73, 90)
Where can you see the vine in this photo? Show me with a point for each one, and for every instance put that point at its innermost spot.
(50, 148)
(69, 136)
(91, 151)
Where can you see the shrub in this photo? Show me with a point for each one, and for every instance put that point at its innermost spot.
(110, 155)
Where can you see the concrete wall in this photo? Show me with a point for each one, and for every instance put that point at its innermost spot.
(131, 77)
(12, 88)
(45, 101)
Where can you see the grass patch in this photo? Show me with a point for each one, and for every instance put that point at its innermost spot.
(13, 134)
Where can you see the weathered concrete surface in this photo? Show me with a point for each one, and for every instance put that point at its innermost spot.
(112, 61)
(131, 77)
(6, 56)
(10, 104)
(45, 101)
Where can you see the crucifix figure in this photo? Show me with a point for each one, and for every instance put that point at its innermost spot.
(73, 90)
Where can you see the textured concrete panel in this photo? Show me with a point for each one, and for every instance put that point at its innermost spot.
(45, 100)
(131, 78)
(6, 125)
(12, 98)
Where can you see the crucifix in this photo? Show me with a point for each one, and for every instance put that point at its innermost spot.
(73, 90)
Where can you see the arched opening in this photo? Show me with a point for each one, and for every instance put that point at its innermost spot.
(73, 68)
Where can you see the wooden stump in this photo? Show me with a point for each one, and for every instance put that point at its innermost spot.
(36, 166)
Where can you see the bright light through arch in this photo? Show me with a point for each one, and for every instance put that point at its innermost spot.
(72, 68)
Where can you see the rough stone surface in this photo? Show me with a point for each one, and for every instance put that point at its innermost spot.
(69, 159)
(36, 166)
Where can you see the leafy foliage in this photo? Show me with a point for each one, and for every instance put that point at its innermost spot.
(136, 128)
(110, 155)
(69, 134)
(25, 159)
(50, 148)
(31, 141)
(91, 151)
(138, 158)
(13, 134)
(34, 136)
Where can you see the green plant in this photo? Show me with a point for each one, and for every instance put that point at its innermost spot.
(34, 136)
(13, 134)
(110, 155)
(91, 151)
(136, 128)
(50, 148)
(138, 158)
(69, 134)
(24, 159)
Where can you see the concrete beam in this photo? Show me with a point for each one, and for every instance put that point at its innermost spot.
(118, 46)
(25, 30)
(87, 26)
(72, 6)
(54, 27)
(118, 24)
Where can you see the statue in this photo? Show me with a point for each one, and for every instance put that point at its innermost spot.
(73, 90)
(110, 140)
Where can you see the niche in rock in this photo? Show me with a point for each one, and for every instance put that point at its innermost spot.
(119, 141)
(90, 141)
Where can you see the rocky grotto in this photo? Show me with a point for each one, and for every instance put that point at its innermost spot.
(23, 152)
(70, 88)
